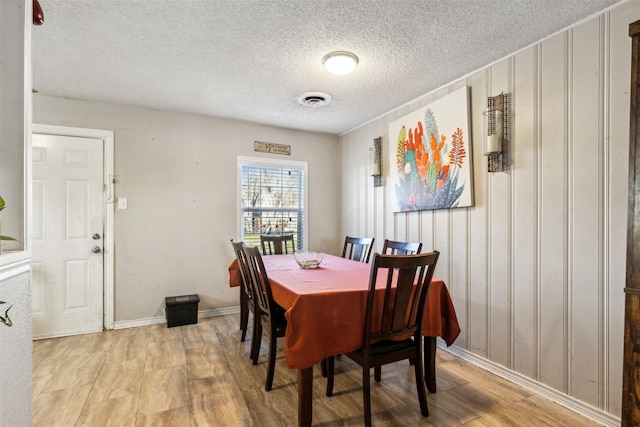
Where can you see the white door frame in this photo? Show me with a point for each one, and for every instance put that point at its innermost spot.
(108, 191)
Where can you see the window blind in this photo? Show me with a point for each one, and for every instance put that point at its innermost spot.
(272, 203)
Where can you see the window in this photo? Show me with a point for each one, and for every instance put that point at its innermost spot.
(272, 199)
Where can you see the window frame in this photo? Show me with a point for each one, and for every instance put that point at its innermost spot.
(272, 163)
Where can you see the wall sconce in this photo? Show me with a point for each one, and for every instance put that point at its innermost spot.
(375, 160)
(497, 129)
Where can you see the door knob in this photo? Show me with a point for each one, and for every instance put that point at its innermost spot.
(96, 249)
(96, 236)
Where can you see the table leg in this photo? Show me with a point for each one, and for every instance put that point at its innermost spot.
(305, 397)
(430, 363)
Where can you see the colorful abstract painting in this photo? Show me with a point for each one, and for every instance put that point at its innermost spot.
(430, 156)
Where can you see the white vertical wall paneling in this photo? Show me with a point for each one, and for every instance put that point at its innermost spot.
(427, 231)
(362, 154)
(524, 165)
(499, 232)
(478, 304)
(618, 138)
(536, 268)
(553, 340)
(381, 201)
(460, 236)
(366, 184)
(350, 202)
(585, 213)
(348, 221)
(458, 242)
(603, 374)
(441, 236)
(603, 356)
(412, 227)
(537, 118)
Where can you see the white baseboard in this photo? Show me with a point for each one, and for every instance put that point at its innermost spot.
(584, 409)
(65, 334)
(124, 324)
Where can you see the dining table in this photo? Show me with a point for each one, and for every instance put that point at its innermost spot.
(325, 312)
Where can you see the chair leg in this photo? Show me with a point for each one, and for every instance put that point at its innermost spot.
(422, 389)
(377, 373)
(244, 317)
(271, 366)
(328, 364)
(366, 395)
(243, 307)
(429, 352)
(256, 340)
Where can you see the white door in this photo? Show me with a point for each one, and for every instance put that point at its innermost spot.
(68, 235)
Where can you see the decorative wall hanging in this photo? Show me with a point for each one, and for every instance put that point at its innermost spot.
(270, 147)
(430, 156)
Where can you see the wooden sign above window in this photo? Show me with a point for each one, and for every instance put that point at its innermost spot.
(268, 147)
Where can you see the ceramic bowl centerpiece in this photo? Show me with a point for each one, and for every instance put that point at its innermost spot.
(308, 259)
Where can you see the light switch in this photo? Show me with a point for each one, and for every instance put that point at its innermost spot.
(122, 203)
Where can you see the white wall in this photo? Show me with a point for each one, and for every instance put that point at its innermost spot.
(536, 268)
(15, 342)
(15, 121)
(12, 119)
(178, 172)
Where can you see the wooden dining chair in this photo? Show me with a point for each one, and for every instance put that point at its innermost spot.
(247, 303)
(392, 247)
(358, 248)
(270, 314)
(392, 314)
(277, 244)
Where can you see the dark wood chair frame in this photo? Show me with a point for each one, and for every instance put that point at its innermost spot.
(358, 248)
(408, 278)
(392, 247)
(247, 304)
(270, 314)
(277, 244)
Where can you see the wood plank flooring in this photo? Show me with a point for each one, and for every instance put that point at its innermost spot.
(200, 375)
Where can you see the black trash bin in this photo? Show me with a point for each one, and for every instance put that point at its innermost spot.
(181, 310)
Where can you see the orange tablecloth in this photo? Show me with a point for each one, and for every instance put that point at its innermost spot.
(326, 307)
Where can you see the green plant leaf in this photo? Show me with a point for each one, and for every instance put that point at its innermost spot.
(1, 203)
(6, 238)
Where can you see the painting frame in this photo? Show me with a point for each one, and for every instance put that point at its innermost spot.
(430, 157)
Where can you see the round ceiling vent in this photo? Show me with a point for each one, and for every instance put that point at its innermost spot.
(314, 99)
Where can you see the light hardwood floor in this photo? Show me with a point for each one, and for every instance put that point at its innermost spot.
(200, 375)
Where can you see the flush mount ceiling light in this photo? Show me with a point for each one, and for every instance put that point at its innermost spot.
(314, 99)
(340, 62)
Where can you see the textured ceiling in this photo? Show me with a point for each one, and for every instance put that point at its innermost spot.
(250, 60)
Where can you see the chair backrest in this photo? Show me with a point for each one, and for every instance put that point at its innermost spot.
(407, 281)
(358, 248)
(277, 244)
(242, 265)
(391, 247)
(259, 280)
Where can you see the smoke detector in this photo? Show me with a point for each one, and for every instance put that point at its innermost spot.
(314, 99)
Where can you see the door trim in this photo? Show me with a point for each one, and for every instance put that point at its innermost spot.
(108, 179)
